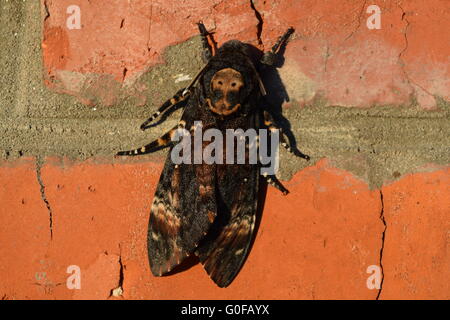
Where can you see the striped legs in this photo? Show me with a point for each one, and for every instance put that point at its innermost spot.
(160, 143)
(209, 49)
(274, 182)
(172, 102)
(270, 123)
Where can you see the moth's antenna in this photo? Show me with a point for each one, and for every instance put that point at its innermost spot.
(261, 84)
(258, 77)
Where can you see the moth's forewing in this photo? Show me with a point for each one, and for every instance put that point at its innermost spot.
(183, 208)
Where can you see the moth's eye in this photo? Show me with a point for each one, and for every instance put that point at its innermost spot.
(220, 82)
(233, 84)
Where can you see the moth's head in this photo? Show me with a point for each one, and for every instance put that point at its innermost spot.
(226, 88)
(230, 79)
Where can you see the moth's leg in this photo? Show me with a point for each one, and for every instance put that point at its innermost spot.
(209, 45)
(282, 39)
(162, 142)
(269, 122)
(172, 102)
(269, 57)
(274, 182)
(270, 179)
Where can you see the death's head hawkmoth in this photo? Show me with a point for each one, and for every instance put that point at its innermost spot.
(208, 208)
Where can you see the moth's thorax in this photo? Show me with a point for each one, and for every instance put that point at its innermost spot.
(225, 91)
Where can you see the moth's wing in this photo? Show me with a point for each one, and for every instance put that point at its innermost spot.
(182, 212)
(225, 248)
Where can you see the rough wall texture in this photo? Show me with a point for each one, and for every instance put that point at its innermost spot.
(371, 107)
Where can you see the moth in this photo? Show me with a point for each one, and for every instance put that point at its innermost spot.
(209, 209)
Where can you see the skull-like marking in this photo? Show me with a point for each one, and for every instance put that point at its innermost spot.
(225, 87)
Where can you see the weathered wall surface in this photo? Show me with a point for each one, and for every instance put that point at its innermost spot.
(370, 106)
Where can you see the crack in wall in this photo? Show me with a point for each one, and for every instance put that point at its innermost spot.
(402, 63)
(404, 33)
(39, 163)
(259, 26)
(118, 291)
(47, 11)
(150, 27)
(121, 274)
(383, 237)
(359, 21)
(327, 56)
